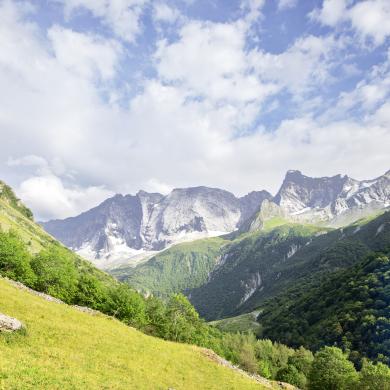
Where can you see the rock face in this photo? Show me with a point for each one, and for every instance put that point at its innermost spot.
(131, 227)
(332, 201)
(9, 324)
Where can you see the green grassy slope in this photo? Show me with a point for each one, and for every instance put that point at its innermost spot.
(242, 323)
(64, 349)
(7, 195)
(12, 219)
(67, 349)
(178, 268)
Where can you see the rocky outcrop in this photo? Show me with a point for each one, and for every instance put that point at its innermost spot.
(9, 324)
(331, 201)
(132, 227)
(127, 229)
(335, 200)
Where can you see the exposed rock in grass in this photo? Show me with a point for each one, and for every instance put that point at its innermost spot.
(9, 324)
(21, 286)
(86, 309)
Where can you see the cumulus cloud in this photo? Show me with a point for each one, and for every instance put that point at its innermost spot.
(368, 18)
(85, 54)
(49, 198)
(368, 94)
(306, 64)
(164, 13)
(252, 9)
(121, 16)
(210, 61)
(68, 148)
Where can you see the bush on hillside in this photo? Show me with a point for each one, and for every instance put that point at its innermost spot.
(15, 259)
(332, 370)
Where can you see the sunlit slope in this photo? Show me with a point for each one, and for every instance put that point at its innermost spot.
(67, 349)
(12, 219)
(176, 269)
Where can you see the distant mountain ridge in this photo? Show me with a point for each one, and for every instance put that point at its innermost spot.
(127, 226)
(331, 201)
(130, 227)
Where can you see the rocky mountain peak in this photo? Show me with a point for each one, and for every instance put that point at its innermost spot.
(299, 191)
(128, 226)
(124, 227)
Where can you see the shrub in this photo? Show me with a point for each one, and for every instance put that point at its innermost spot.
(374, 376)
(331, 370)
(56, 273)
(290, 374)
(15, 259)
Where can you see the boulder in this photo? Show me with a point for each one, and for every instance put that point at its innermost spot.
(9, 324)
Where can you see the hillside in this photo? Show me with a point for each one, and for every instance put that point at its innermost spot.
(176, 269)
(8, 196)
(15, 216)
(349, 308)
(52, 269)
(235, 273)
(217, 263)
(250, 266)
(63, 348)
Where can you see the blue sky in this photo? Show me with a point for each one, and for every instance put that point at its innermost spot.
(99, 96)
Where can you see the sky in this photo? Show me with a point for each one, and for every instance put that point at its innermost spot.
(99, 97)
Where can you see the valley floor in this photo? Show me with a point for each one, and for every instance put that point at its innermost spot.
(64, 348)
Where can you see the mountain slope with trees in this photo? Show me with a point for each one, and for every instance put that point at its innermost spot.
(55, 270)
(349, 308)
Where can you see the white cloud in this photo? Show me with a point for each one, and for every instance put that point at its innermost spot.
(303, 66)
(30, 160)
(180, 130)
(164, 13)
(155, 185)
(210, 61)
(369, 93)
(331, 13)
(121, 16)
(382, 116)
(87, 55)
(49, 198)
(252, 9)
(369, 18)
(286, 4)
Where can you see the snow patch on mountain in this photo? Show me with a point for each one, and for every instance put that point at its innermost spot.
(126, 229)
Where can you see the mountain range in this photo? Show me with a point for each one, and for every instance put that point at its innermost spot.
(126, 229)
(290, 281)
